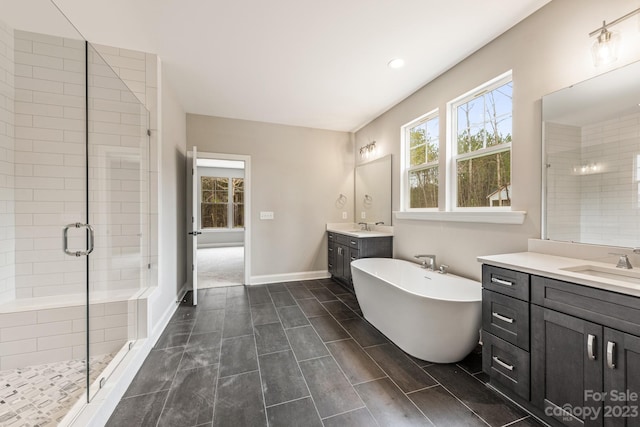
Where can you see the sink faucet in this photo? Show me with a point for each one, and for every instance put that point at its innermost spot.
(623, 261)
(432, 261)
(364, 226)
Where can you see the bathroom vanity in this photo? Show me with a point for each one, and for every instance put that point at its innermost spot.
(345, 246)
(561, 336)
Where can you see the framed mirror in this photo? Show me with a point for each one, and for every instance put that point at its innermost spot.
(373, 191)
(591, 156)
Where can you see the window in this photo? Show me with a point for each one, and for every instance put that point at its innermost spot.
(481, 146)
(421, 144)
(216, 209)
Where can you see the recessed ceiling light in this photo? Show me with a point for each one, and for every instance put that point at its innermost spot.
(396, 63)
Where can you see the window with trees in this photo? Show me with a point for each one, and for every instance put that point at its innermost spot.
(481, 146)
(221, 202)
(421, 144)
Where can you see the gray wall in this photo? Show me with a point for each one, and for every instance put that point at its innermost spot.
(547, 51)
(298, 173)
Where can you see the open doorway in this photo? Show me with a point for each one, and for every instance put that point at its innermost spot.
(221, 206)
(219, 243)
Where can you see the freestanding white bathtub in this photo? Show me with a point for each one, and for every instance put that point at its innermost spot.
(432, 316)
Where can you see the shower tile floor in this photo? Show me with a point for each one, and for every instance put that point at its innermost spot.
(299, 354)
(41, 395)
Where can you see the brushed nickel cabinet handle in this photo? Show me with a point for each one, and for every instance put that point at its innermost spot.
(501, 282)
(501, 317)
(503, 364)
(591, 347)
(611, 355)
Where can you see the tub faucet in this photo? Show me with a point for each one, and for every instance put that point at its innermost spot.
(432, 261)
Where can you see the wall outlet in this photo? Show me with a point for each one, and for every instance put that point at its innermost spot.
(344, 215)
(363, 215)
(266, 215)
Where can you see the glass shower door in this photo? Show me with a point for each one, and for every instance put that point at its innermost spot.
(118, 207)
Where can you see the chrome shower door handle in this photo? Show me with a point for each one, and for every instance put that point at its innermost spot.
(65, 240)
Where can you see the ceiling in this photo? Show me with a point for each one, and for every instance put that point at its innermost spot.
(312, 63)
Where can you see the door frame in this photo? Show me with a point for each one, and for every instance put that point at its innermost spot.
(247, 207)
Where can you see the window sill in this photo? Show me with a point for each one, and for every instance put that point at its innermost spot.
(485, 217)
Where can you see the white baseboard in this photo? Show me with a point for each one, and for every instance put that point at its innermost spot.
(98, 411)
(289, 277)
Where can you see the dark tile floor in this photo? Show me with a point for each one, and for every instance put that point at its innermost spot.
(298, 354)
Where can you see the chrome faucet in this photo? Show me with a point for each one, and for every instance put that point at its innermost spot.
(432, 261)
(364, 226)
(623, 261)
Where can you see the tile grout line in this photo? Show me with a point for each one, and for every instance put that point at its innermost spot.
(380, 367)
(516, 421)
(345, 412)
(215, 392)
(255, 343)
(296, 359)
(464, 404)
(340, 367)
(164, 405)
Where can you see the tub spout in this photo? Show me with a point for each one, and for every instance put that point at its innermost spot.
(431, 259)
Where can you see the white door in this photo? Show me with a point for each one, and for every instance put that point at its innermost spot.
(195, 224)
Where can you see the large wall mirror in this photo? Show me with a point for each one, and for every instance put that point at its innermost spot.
(373, 191)
(592, 160)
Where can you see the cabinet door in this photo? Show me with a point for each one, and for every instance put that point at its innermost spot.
(341, 254)
(566, 362)
(353, 255)
(331, 257)
(621, 379)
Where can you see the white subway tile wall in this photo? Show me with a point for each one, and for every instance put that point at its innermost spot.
(42, 188)
(49, 335)
(563, 186)
(49, 163)
(593, 193)
(7, 167)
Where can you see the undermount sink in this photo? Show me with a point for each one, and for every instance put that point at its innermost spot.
(629, 276)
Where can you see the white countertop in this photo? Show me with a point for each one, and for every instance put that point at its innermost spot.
(354, 230)
(555, 267)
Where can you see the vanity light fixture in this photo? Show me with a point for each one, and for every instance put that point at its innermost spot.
(605, 48)
(368, 150)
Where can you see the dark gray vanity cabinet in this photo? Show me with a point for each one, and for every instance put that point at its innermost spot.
(584, 348)
(585, 353)
(342, 249)
(505, 328)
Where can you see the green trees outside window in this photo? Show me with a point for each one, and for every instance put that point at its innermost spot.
(222, 200)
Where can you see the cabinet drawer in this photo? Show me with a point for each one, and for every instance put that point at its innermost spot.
(506, 317)
(343, 239)
(354, 242)
(508, 282)
(506, 364)
(617, 311)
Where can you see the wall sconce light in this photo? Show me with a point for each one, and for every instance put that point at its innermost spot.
(368, 150)
(605, 49)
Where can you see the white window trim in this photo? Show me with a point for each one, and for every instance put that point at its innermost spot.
(452, 195)
(452, 213)
(405, 153)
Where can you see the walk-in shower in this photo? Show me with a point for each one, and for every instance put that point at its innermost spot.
(74, 212)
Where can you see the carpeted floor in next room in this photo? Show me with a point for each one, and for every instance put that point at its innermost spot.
(299, 354)
(220, 267)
